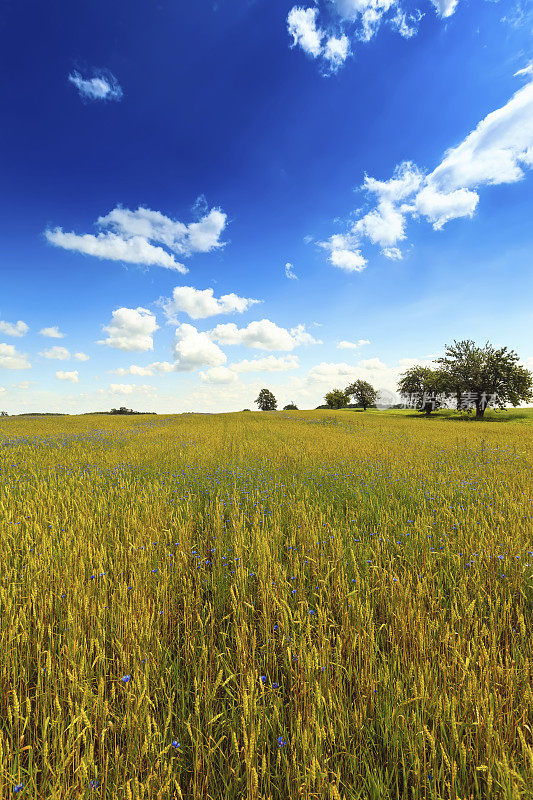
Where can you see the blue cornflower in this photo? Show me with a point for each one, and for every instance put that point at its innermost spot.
(18, 788)
(280, 741)
(126, 678)
(264, 678)
(95, 784)
(176, 744)
(275, 685)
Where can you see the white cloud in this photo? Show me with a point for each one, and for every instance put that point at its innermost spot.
(525, 71)
(344, 345)
(133, 370)
(358, 19)
(111, 247)
(193, 349)
(498, 151)
(67, 376)
(289, 272)
(160, 367)
(81, 356)
(52, 333)
(131, 329)
(337, 50)
(219, 375)
(129, 388)
(200, 303)
(267, 364)
(10, 358)
(197, 237)
(22, 385)
(16, 329)
(330, 373)
(103, 86)
(141, 236)
(262, 334)
(445, 8)
(301, 25)
(59, 353)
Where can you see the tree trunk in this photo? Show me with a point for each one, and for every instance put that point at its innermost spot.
(479, 410)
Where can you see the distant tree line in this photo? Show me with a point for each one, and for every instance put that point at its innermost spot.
(474, 378)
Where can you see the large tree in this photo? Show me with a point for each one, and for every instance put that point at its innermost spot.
(427, 389)
(485, 376)
(266, 400)
(336, 399)
(363, 392)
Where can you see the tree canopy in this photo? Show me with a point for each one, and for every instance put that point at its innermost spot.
(266, 400)
(336, 399)
(485, 376)
(426, 389)
(363, 392)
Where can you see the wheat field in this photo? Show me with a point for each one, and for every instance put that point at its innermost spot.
(266, 605)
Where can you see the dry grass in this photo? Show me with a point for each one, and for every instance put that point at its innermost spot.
(359, 585)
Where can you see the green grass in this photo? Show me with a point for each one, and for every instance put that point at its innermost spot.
(375, 568)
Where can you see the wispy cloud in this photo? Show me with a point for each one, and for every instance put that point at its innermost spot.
(145, 237)
(289, 272)
(102, 86)
(498, 151)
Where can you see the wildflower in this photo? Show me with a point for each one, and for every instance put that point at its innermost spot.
(176, 744)
(18, 788)
(263, 678)
(126, 678)
(275, 685)
(280, 741)
(95, 784)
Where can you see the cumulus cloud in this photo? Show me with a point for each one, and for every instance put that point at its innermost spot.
(302, 26)
(344, 345)
(16, 329)
(10, 358)
(130, 388)
(102, 86)
(131, 329)
(111, 247)
(289, 272)
(498, 151)
(145, 237)
(342, 20)
(194, 349)
(267, 364)
(67, 376)
(219, 376)
(59, 353)
(158, 367)
(200, 303)
(262, 334)
(81, 356)
(52, 333)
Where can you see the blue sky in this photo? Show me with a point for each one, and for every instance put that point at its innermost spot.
(161, 164)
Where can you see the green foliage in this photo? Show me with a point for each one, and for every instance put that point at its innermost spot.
(266, 400)
(427, 389)
(290, 407)
(336, 399)
(363, 392)
(485, 376)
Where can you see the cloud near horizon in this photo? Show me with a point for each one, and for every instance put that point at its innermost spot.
(262, 334)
